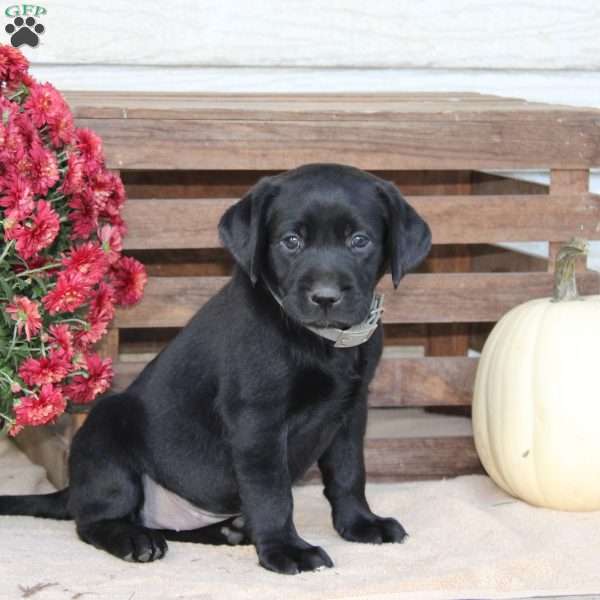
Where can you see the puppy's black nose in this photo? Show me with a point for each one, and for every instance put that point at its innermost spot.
(325, 296)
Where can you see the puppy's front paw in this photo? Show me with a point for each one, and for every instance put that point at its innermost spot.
(290, 559)
(373, 531)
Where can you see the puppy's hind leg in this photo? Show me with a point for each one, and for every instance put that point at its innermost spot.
(105, 510)
(106, 494)
(124, 539)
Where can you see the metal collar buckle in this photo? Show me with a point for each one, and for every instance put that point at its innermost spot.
(357, 334)
(353, 336)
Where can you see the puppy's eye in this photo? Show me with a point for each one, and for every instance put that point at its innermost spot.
(359, 241)
(292, 242)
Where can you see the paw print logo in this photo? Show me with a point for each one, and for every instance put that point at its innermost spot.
(24, 31)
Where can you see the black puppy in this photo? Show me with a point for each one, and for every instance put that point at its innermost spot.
(206, 443)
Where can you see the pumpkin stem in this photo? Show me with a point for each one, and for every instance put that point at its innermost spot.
(565, 284)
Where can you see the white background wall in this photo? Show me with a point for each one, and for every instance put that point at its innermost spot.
(547, 50)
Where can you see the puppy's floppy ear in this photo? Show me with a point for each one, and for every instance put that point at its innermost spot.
(409, 236)
(242, 227)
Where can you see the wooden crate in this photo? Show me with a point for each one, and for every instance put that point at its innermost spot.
(185, 158)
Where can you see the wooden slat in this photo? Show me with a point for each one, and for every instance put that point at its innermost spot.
(436, 381)
(428, 298)
(409, 459)
(561, 181)
(500, 139)
(173, 223)
(125, 373)
(301, 106)
(448, 339)
(170, 301)
(192, 223)
(429, 381)
(108, 346)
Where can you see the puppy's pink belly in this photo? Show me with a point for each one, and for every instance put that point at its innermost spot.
(164, 509)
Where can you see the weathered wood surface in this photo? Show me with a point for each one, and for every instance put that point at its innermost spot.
(410, 459)
(391, 131)
(562, 180)
(375, 131)
(424, 141)
(431, 381)
(296, 106)
(192, 223)
(421, 298)
(448, 339)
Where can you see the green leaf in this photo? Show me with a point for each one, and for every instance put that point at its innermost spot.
(6, 289)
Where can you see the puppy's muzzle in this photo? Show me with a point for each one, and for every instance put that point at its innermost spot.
(325, 296)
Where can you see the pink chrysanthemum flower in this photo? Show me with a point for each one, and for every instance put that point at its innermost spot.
(27, 315)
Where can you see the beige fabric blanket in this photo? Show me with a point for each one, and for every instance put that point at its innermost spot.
(468, 540)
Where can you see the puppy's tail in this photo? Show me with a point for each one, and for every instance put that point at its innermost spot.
(49, 506)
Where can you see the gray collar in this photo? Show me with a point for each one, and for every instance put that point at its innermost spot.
(355, 335)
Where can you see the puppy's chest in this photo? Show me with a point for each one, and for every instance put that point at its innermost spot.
(317, 388)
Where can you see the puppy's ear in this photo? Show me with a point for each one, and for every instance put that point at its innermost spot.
(409, 236)
(242, 227)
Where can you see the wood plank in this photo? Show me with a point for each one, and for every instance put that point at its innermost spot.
(173, 223)
(444, 140)
(421, 298)
(448, 339)
(511, 218)
(414, 423)
(563, 181)
(192, 223)
(169, 301)
(125, 373)
(409, 459)
(392, 459)
(430, 381)
(108, 346)
(311, 107)
(375, 106)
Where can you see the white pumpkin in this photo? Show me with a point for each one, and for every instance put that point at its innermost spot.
(536, 403)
